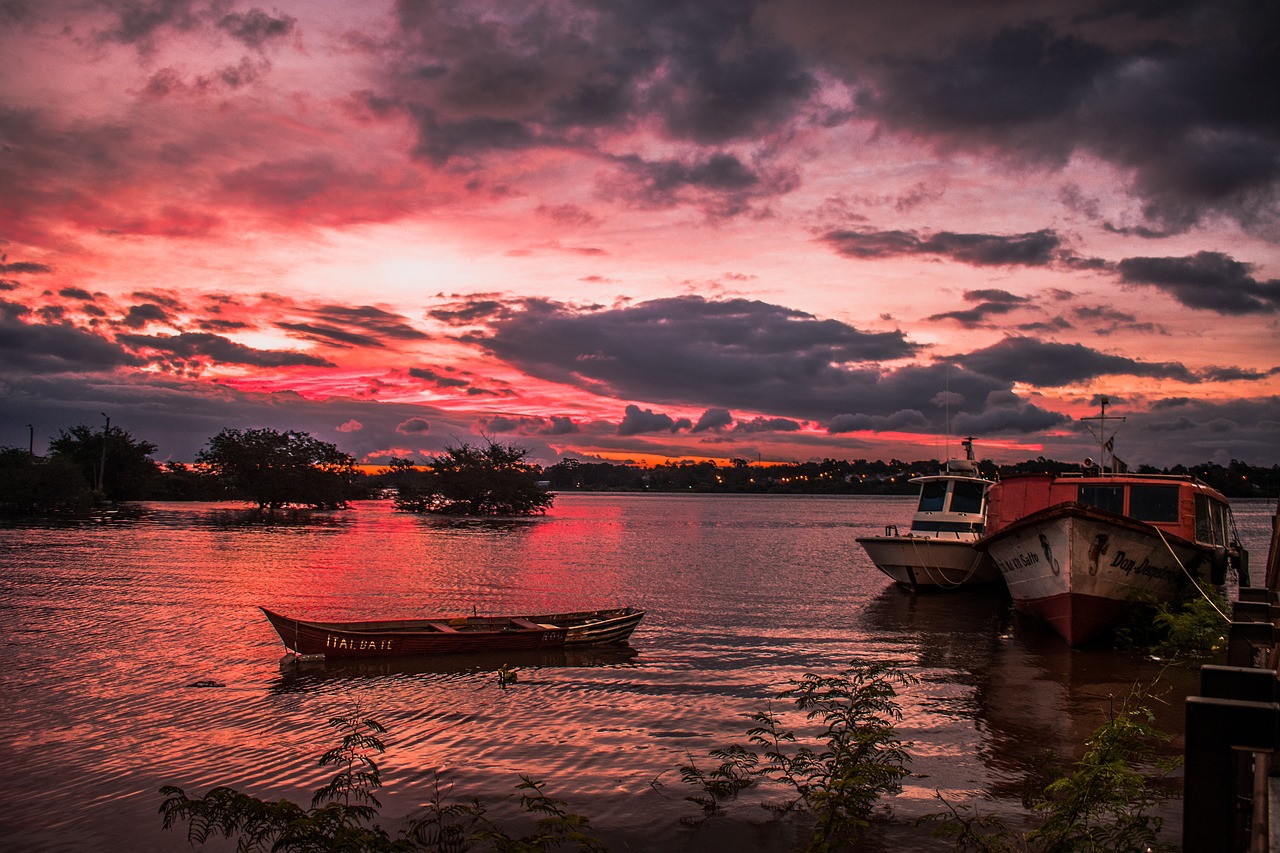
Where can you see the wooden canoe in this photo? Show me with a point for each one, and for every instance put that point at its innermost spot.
(454, 634)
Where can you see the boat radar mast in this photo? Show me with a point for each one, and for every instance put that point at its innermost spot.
(1106, 443)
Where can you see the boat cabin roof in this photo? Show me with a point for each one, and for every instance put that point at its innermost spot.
(1175, 503)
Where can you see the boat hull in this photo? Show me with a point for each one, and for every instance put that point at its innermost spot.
(922, 562)
(454, 635)
(1075, 567)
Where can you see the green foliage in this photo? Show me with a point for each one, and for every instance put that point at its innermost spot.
(469, 480)
(123, 473)
(554, 825)
(340, 817)
(343, 813)
(1190, 624)
(857, 759)
(277, 469)
(734, 773)
(1103, 806)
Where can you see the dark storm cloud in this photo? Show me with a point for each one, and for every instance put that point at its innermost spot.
(1053, 365)
(53, 348)
(437, 380)
(256, 28)
(28, 267)
(528, 425)
(766, 425)
(690, 350)
(76, 293)
(331, 335)
(413, 426)
(719, 183)
(1036, 249)
(1209, 280)
(203, 346)
(637, 421)
(351, 326)
(990, 303)
(477, 80)
(139, 316)
(376, 321)
(1181, 95)
(736, 355)
(714, 419)
(1185, 431)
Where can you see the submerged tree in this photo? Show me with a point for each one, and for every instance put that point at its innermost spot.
(470, 480)
(276, 469)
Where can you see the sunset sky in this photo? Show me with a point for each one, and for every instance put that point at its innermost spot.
(677, 229)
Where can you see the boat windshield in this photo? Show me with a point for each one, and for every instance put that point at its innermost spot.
(967, 497)
(1153, 503)
(1107, 498)
(1211, 521)
(933, 495)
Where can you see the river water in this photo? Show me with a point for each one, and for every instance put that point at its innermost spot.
(134, 656)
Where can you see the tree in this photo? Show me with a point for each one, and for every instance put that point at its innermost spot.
(470, 480)
(30, 485)
(276, 469)
(122, 470)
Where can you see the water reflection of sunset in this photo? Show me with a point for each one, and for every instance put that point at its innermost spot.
(137, 658)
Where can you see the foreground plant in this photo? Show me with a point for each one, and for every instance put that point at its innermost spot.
(857, 759)
(1103, 806)
(343, 813)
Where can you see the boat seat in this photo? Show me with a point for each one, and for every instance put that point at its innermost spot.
(441, 626)
(533, 626)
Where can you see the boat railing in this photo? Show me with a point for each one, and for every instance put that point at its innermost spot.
(1231, 787)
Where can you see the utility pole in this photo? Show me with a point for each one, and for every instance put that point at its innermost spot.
(102, 470)
(31, 440)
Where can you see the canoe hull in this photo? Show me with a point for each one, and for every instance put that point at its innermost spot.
(454, 635)
(922, 562)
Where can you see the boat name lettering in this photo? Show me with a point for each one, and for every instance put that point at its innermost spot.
(1020, 561)
(1132, 567)
(358, 645)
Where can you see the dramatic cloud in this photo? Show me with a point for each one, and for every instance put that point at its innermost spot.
(1053, 365)
(1208, 280)
(413, 426)
(205, 347)
(692, 350)
(637, 421)
(736, 228)
(1033, 250)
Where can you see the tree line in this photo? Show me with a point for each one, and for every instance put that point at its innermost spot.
(86, 468)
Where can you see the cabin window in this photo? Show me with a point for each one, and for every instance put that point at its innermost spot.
(1108, 498)
(967, 497)
(1211, 527)
(1153, 503)
(933, 495)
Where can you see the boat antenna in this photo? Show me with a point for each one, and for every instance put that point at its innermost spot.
(1106, 443)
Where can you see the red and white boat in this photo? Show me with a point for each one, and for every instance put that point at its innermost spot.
(938, 552)
(1075, 548)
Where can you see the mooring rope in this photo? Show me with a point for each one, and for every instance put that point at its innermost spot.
(1190, 577)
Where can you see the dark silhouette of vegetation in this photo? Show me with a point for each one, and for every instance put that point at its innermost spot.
(1103, 806)
(471, 480)
(854, 476)
(344, 813)
(277, 469)
(32, 486)
(858, 758)
(111, 460)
